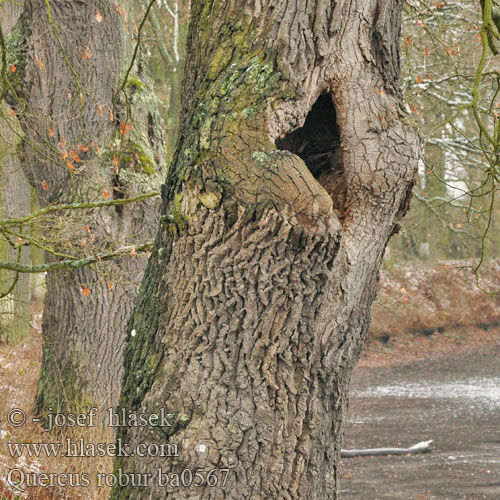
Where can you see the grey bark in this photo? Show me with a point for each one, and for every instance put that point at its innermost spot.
(15, 196)
(76, 53)
(256, 301)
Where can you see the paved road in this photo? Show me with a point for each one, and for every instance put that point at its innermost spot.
(455, 402)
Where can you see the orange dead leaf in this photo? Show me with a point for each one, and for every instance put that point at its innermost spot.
(99, 109)
(86, 291)
(115, 163)
(98, 17)
(87, 53)
(51, 132)
(412, 107)
(121, 12)
(409, 41)
(45, 186)
(123, 128)
(13, 68)
(74, 156)
(39, 62)
(426, 51)
(92, 237)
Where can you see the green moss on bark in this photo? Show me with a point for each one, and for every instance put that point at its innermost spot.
(15, 44)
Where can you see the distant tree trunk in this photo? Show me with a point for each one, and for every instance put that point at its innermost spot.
(174, 107)
(291, 173)
(85, 141)
(15, 196)
(173, 54)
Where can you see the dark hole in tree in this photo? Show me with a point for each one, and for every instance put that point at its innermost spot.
(318, 144)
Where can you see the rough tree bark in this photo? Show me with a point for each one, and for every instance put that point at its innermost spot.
(291, 172)
(15, 199)
(85, 141)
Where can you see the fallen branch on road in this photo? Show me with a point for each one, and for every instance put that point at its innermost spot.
(422, 447)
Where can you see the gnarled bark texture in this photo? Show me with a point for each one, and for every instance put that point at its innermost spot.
(291, 172)
(87, 141)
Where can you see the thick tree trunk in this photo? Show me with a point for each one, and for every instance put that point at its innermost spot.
(15, 196)
(85, 141)
(291, 172)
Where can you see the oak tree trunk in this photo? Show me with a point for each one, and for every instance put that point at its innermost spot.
(87, 141)
(291, 172)
(15, 199)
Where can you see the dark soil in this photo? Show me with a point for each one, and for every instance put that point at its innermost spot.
(454, 401)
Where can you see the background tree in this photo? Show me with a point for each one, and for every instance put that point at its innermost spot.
(15, 199)
(91, 134)
(291, 172)
(169, 21)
